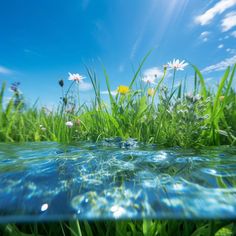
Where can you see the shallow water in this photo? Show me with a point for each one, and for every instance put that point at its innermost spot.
(115, 180)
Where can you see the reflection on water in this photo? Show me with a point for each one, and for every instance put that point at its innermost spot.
(115, 180)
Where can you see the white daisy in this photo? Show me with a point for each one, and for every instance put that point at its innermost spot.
(177, 64)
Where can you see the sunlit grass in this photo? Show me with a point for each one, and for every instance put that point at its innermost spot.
(151, 113)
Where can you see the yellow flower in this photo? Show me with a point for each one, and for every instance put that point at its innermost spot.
(221, 98)
(123, 89)
(150, 92)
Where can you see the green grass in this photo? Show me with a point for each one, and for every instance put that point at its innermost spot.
(204, 117)
(121, 228)
(169, 118)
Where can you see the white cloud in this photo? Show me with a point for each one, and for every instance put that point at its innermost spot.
(221, 46)
(114, 92)
(229, 21)
(208, 79)
(84, 86)
(5, 71)
(234, 33)
(221, 65)
(218, 8)
(204, 36)
(153, 72)
(135, 46)
(231, 50)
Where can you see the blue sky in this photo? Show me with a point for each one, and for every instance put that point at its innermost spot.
(41, 41)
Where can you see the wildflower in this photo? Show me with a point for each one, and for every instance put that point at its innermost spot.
(151, 92)
(61, 82)
(76, 77)
(123, 89)
(221, 98)
(42, 127)
(177, 65)
(189, 96)
(14, 87)
(69, 124)
(149, 79)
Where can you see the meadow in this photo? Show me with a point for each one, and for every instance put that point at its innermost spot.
(150, 113)
(146, 110)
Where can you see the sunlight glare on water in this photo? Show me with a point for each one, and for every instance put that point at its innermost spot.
(115, 180)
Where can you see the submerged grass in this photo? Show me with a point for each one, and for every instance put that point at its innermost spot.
(162, 116)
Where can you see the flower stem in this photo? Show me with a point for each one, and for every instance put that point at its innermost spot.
(173, 81)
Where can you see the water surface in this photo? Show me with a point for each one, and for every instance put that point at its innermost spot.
(115, 180)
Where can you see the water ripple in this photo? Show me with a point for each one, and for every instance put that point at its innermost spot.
(115, 180)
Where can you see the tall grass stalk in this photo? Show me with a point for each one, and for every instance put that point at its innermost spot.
(167, 118)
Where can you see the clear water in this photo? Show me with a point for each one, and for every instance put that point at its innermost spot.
(115, 180)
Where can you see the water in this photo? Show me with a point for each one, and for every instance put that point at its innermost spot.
(115, 180)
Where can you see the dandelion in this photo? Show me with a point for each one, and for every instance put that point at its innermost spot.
(177, 64)
(151, 92)
(69, 124)
(123, 89)
(75, 77)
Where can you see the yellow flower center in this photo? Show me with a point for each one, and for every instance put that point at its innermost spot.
(123, 89)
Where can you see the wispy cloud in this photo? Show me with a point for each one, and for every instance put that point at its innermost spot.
(231, 50)
(113, 93)
(84, 86)
(5, 71)
(135, 46)
(121, 68)
(233, 34)
(204, 36)
(218, 8)
(143, 23)
(229, 21)
(31, 52)
(209, 79)
(221, 65)
(221, 46)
